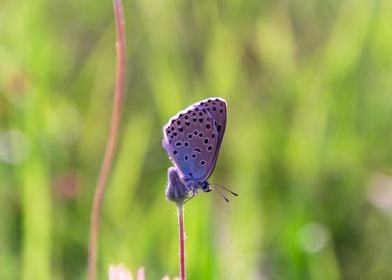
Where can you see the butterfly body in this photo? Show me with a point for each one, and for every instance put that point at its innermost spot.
(192, 140)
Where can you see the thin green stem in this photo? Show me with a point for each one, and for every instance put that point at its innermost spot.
(111, 144)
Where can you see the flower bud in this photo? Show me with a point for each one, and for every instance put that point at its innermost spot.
(176, 191)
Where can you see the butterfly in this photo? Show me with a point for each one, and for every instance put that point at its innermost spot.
(192, 140)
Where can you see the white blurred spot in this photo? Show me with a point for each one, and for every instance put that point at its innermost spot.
(380, 191)
(119, 272)
(168, 278)
(313, 237)
(14, 146)
(140, 275)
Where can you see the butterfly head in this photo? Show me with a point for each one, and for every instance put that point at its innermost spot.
(205, 187)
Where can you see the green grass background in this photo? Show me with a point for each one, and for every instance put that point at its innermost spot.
(307, 145)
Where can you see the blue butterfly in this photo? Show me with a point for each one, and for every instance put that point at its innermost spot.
(192, 140)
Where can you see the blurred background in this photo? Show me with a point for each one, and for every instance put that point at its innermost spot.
(307, 144)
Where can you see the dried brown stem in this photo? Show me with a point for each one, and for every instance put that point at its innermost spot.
(111, 144)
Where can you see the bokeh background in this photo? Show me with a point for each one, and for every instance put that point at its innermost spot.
(307, 146)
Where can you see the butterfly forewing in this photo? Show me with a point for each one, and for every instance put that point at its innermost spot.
(217, 108)
(191, 140)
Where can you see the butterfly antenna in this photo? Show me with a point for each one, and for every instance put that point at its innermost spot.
(222, 195)
(226, 189)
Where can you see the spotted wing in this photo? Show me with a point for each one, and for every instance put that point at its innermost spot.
(191, 140)
(217, 108)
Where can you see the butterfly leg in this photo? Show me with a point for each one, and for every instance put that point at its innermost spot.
(194, 192)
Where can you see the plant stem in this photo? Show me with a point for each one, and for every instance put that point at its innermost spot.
(111, 144)
(181, 232)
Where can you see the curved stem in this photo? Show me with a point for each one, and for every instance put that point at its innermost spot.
(181, 231)
(111, 144)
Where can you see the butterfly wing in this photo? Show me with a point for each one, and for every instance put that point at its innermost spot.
(217, 108)
(191, 140)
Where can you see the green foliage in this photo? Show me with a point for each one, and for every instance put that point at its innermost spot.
(307, 146)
